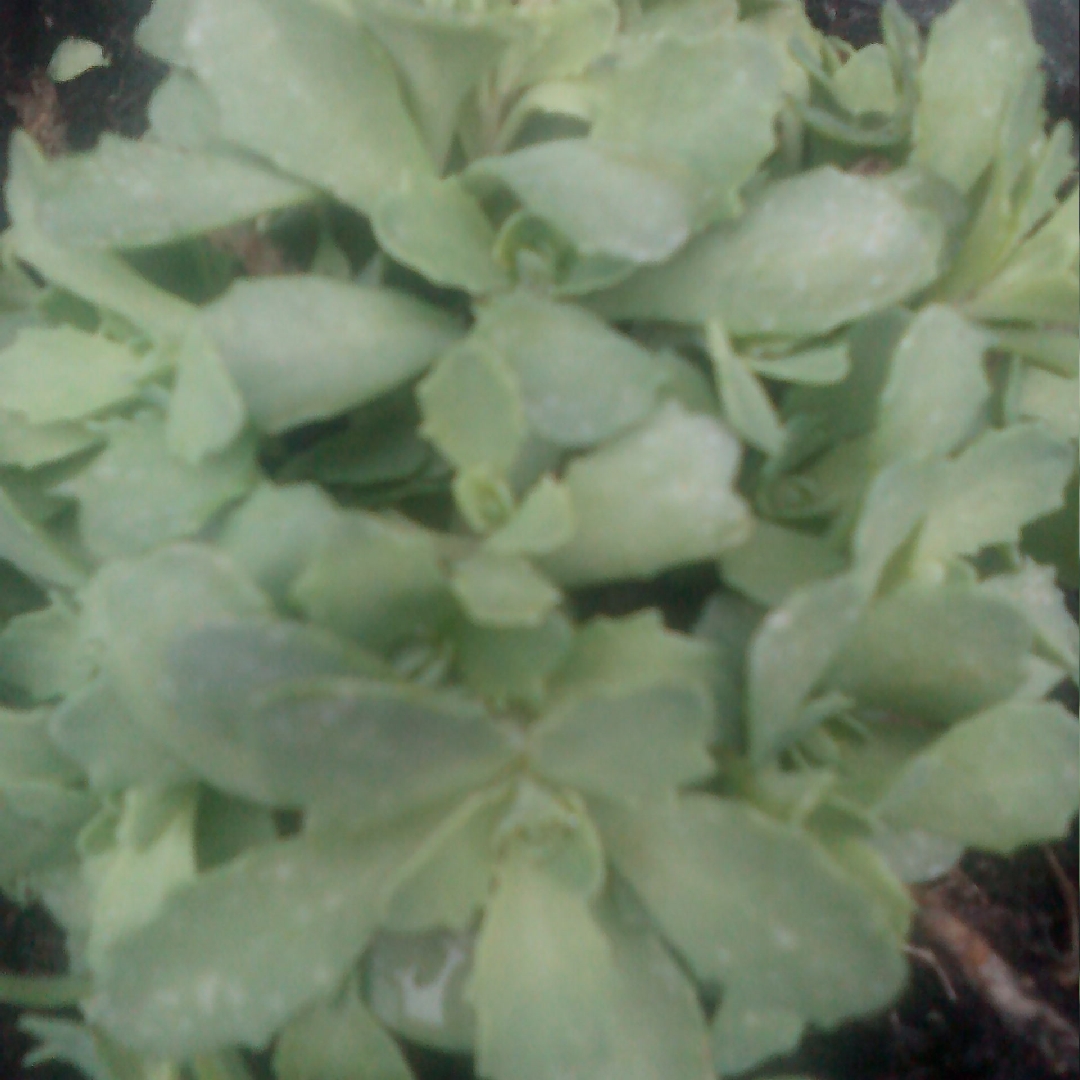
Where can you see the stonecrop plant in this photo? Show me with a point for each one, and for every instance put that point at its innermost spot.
(405, 323)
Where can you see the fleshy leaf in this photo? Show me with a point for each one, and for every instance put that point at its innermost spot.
(435, 227)
(473, 408)
(1004, 778)
(443, 54)
(338, 1039)
(998, 484)
(789, 654)
(936, 389)
(775, 561)
(126, 193)
(275, 713)
(206, 411)
(307, 88)
(304, 348)
(542, 522)
(810, 253)
(632, 521)
(746, 404)
(134, 609)
(274, 533)
(637, 650)
(233, 955)
(555, 988)
(377, 580)
(743, 1036)
(634, 745)
(29, 445)
(707, 107)
(815, 366)
(602, 202)
(416, 986)
(135, 495)
(447, 881)
(44, 652)
(934, 653)
(1055, 401)
(66, 374)
(93, 727)
(978, 54)
(757, 906)
(581, 382)
(503, 590)
(512, 665)
(30, 549)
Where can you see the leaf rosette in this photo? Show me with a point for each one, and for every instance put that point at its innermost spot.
(330, 408)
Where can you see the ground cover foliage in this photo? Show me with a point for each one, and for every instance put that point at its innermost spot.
(310, 737)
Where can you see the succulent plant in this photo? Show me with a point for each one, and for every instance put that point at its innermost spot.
(324, 405)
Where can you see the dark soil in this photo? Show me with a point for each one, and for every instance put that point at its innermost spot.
(999, 1002)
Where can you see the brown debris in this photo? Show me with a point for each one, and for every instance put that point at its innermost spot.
(252, 248)
(1009, 993)
(38, 111)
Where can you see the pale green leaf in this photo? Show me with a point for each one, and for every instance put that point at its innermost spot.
(744, 1036)
(757, 906)
(936, 390)
(1002, 779)
(307, 88)
(338, 1039)
(601, 201)
(746, 404)
(78, 1044)
(100, 277)
(636, 650)
(62, 373)
(131, 881)
(707, 107)
(206, 411)
(542, 522)
(1050, 398)
(865, 83)
(775, 561)
(435, 227)
(978, 54)
(810, 253)
(895, 503)
(276, 531)
(181, 111)
(934, 653)
(998, 484)
(416, 986)
(29, 445)
(1033, 590)
(472, 408)
(632, 521)
(790, 653)
(134, 610)
(816, 366)
(581, 382)
(232, 956)
(93, 727)
(556, 988)
(375, 579)
(514, 665)
(635, 745)
(503, 590)
(304, 348)
(442, 54)
(134, 193)
(31, 550)
(27, 754)
(45, 653)
(447, 881)
(351, 745)
(1039, 283)
(135, 495)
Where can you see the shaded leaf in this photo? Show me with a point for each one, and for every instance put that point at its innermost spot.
(503, 590)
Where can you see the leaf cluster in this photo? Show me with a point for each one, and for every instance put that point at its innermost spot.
(406, 320)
